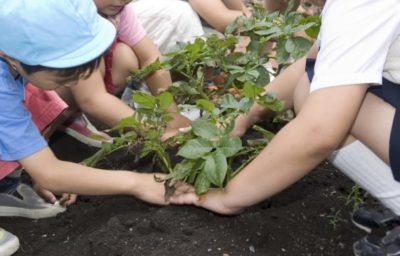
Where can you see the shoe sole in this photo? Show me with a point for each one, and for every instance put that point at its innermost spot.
(12, 246)
(81, 138)
(29, 213)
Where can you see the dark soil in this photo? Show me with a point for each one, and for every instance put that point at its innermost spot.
(309, 218)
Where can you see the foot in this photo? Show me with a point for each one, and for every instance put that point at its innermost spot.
(8, 243)
(81, 129)
(369, 219)
(384, 245)
(24, 202)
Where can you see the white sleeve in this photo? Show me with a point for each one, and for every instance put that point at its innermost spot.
(354, 40)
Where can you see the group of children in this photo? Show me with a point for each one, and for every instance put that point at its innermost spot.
(345, 93)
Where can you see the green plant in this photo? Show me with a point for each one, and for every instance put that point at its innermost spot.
(222, 84)
(356, 197)
(281, 29)
(142, 132)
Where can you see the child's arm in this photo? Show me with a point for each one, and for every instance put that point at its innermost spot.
(147, 52)
(218, 14)
(61, 176)
(92, 98)
(321, 125)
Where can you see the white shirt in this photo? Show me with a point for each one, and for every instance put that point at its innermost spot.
(355, 39)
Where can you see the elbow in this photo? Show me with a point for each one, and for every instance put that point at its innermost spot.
(321, 140)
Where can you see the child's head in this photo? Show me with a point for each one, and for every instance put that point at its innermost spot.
(110, 7)
(51, 41)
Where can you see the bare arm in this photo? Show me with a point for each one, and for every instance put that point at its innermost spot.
(92, 97)
(60, 176)
(147, 52)
(321, 125)
(219, 13)
(283, 86)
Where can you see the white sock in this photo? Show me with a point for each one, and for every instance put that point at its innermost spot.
(366, 169)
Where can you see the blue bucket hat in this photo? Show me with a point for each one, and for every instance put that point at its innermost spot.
(53, 33)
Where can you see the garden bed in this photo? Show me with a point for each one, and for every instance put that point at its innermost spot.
(309, 218)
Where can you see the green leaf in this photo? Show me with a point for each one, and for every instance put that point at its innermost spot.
(229, 101)
(254, 73)
(181, 171)
(210, 169)
(194, 149)
(251, 91)
(290, 45)
(202, 184)
(215, 167)
(203, 128)
(245, 105)
(165, 100)
(127, 123)
(270, 101)
(282, 55)
(313, 30)
(264, 76)
(144, 100)
(230, 145)
(269, 31)
(267, 134)
(205, 105)
(301, 46)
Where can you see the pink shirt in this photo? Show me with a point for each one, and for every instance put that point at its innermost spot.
(129, 29)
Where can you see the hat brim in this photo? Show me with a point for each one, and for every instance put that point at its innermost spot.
(89, 51)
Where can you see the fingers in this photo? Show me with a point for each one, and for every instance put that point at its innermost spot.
(45, 194)
(184, 194)
(67, 199)
(186, 198)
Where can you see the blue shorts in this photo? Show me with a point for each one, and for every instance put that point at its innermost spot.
(389, 92)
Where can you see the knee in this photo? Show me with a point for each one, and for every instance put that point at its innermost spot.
(124, 58)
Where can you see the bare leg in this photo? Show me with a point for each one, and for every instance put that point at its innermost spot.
(124, 60)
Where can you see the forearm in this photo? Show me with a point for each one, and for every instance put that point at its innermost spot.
(60, 176)
(158, 81)
(283, 86)
(216, 13)
(106, 108)
(298, 147)
(93, 99)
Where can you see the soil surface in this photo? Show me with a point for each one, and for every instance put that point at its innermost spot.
(309, 218)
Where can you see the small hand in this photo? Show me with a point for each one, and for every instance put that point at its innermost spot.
(150, 188)
(64, 200)
(175, 125)
(212, 200)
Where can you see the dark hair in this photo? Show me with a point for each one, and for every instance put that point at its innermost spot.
(67, 74)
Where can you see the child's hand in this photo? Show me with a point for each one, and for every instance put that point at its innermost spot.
(175, 125)
(212, 200)
(241, 46)
(179, 121)
(150, 188)
(64, 200)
